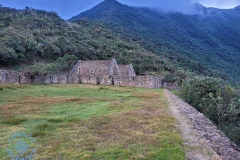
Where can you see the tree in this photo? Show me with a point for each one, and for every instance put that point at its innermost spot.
(217, 101)
(182, 75)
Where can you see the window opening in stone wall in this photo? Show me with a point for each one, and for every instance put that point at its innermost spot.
(133, 78)
(50, 77)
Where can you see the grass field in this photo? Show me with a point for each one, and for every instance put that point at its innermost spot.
(90, 122)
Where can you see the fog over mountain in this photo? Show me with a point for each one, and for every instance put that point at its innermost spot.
(220, 3)
(181, 6)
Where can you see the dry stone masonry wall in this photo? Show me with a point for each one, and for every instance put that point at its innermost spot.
(104, 72)
(214, 138)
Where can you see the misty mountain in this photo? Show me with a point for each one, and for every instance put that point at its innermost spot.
(209, 36)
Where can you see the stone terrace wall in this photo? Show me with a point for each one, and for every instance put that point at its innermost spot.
(209, 132)
(123, 81)
(148, 82)
(138, 81)
(104, 72)
(7, 76)
(56, 79)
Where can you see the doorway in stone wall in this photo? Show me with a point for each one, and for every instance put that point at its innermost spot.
(19, 79)
(112, 81)
(6, 78)
(80, 79)
(31, 79)
(98, 81)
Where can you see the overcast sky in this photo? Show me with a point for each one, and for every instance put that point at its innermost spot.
(68, 8)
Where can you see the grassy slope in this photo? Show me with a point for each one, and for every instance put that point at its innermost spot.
(90, 122)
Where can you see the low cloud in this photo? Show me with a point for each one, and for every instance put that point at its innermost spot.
(165, 5)
(181, 5)
(220, 3)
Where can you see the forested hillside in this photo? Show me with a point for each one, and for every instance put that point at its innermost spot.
(183, 47)
(207, 35)
(50, 44)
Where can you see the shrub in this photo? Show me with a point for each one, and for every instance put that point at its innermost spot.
(40, 130)
(170, 78)
(217, 101)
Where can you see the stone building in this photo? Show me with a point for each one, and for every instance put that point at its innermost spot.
(95, 72)
(104, 72)
(127, 70)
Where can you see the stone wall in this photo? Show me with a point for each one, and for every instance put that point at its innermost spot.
(74, 79)
(138, 81)
(104, 72)
(26, 78)
(38, 80)
(89, 79)
(97, 68)
(7, 76)
(127, 70)
(123, 81)
(148, 82)
(113, 68)
(206, 129)
(56, 79)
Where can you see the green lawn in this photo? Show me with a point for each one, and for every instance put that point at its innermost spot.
(90, 122)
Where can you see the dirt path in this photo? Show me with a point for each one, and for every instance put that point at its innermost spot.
(202, 140)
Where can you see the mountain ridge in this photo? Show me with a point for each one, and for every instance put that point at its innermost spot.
(210, 38)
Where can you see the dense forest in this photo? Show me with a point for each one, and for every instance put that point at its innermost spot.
(207, 35)
(44, 42)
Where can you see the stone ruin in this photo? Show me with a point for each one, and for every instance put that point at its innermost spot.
(102, 72)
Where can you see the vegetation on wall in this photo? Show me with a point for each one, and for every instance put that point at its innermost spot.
(218, 101)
